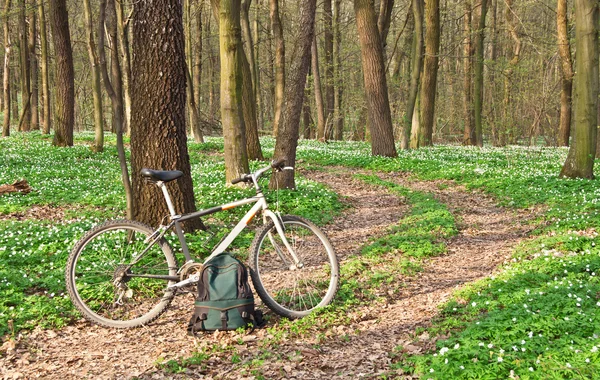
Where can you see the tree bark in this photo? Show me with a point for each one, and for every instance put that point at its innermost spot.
(6, 73)
(329, 69)
(64, 106)
(232, 116)
(564, 50)
(194, 112)
(580, 160)
(95, 69)
(430, 70)
(478, 80)
(277, 30)
(115, 100)
(25, 67)
(384, 20)
(123, 38)
(380, 119)
(469, 133)
(287, 138)
(115, 61)
(158, 132)
(46, 118)
(415, 76)
(33, 66)
(338, 115)
(508, 73)
(320, 106)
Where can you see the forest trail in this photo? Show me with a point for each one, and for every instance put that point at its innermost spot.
(487, 234)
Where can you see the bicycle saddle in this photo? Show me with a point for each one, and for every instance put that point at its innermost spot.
(161, 175)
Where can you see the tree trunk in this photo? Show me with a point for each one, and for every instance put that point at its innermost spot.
(249, 43)
(158, 132)
(15, 95)
(192, 106)
(564, 50)
(430, 69)
(123, 38)
(415, 76)
(96, 90)
(64, 106)
(338, 115)
(198, 52)
(380, 119)
(277, 30)
(469, 134)
(46, 118)
(115, 100)
(232, 117)
(329, 70)
(6, 73)
(33, 67)
(580, 160)
(508, 73)
(320, 106)
(478, 80)
(259, 102)
(25, 68)
(287, 138)
(115, 62)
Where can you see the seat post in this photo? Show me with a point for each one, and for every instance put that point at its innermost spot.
(165, 192)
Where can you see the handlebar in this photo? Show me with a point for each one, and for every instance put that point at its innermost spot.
(277, 165)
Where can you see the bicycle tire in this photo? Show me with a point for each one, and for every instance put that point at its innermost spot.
(100, 257)
(278, 283)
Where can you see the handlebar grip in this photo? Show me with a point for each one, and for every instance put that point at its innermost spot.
(278, 164)
(237, 180)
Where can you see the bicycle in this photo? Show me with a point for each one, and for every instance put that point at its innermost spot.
(124, 274)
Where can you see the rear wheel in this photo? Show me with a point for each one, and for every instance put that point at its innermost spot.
(291, 289)
(109, 291)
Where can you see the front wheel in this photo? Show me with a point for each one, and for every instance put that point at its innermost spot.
(289, 288)
(104, 285)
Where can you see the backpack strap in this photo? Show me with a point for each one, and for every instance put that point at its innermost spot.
(224, 319)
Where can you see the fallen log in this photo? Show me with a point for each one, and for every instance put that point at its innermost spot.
(20, 186)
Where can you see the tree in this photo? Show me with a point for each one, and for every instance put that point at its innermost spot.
(415, 76)
(158, 132)
(33, 66)
(382, 135)
(338, 116)
(478, 80)
(509, 71)
(329, 77)
(430, 69)
(95, 69)
(25, 119)
(319, 103)
(46, 119)
(287, 138)
(580, 160)
(566, 66)
(6, 74)
(277, 31)
(64, 106)
(469, 134)
(236, 158)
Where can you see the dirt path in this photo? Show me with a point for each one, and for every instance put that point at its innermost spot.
(487, 235)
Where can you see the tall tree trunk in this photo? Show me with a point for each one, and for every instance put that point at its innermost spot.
(329, 70)
(198, 53)
(212, 64)
(430, 69)
(15, 94)
(248, 43)
(46, 118)
(338, 115)
(64, 106)
(277, 30)
(380, 118)
(564, 50)
(232, 117)
(287, 138)
(115, 61)
(508, 73)
(33, 66)
(192, 106)
(469, 134)
(158, 132)
(320, 106)
(384, 20)
(25, 68)
(492, 119)
(115, 100)
(415, 78)
(478, 80)
(6, 73)
(580, 160)
(257, 40)
(96, 90)
(123, 38)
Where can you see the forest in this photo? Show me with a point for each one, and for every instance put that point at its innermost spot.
(446, 148)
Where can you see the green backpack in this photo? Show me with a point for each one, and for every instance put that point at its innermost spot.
(225, 300)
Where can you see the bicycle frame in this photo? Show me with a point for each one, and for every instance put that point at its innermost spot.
(260, 204)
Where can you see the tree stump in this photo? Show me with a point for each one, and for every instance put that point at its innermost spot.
(20, 186)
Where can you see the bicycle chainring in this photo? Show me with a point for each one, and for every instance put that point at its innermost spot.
(189, 269)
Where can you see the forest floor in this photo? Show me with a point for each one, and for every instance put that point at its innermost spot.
(487, 235)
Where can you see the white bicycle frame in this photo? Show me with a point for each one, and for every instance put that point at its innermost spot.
(260, 204)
